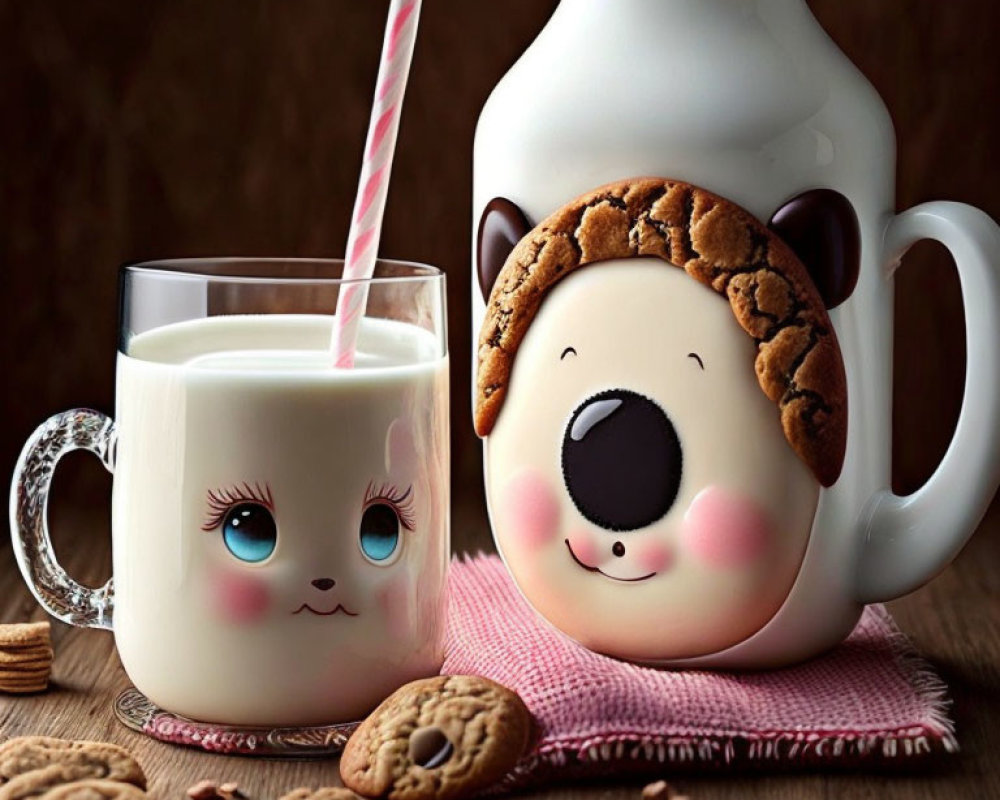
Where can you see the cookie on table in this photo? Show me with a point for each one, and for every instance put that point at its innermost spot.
(20, 679)
(43, 782)
(25, 657)
(30, 759)
(437, 739)
(28, 660)
(25, 686)
(25, 634)
(94, 789)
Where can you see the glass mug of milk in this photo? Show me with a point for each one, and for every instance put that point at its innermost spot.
(280, 527)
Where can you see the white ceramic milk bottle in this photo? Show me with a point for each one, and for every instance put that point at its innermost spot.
(769, 560)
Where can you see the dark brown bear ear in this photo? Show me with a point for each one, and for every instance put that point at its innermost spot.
(501, 227)
(822, 229)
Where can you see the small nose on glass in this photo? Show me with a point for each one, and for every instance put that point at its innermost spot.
(324, 584)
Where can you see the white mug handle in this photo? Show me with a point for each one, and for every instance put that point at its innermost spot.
(57, 592)
(908, 540)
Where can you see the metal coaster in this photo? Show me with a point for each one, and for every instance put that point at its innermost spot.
(137, 712)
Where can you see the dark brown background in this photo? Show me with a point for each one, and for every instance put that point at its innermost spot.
(199, 127)
(132, 129)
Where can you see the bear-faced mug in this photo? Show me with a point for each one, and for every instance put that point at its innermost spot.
(685, 243)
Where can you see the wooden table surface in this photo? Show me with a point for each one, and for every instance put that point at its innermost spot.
(955, 623)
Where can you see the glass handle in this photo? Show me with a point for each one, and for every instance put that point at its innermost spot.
(58, 593)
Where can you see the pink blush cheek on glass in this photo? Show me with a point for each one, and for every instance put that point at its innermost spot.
(239, 598)
(530, 510)
(395, 602)
(725, 530)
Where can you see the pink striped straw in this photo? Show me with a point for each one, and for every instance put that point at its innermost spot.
(369, 206)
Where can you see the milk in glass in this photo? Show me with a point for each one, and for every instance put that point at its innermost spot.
(281, 526)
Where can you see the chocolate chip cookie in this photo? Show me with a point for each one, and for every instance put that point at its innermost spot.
(437, 739)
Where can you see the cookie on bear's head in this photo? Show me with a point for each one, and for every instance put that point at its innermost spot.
(437, 739)
(798, 361)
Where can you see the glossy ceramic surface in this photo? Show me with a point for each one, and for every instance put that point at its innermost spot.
(751, 100)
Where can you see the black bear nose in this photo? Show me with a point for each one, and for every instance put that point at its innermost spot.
(621, 460)
(324, 584)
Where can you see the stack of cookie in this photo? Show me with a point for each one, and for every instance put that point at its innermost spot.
(57, 769)
(25, 657)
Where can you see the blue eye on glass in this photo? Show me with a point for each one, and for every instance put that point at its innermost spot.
(379, 532)
(249, 532)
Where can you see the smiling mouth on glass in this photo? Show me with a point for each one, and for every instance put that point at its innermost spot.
(601, 572)
(338, 609)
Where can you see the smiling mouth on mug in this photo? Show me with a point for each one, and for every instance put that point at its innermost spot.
(338, 609)
(602, 572)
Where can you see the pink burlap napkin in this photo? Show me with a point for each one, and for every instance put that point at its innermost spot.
(871, 698)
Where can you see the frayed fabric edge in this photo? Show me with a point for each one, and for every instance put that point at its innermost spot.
(609, 755)
(925, 682)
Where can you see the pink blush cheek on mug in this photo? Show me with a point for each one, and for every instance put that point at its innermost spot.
(239, 598)
(654, 556)
(725, 530)
(530, 510)
(585, 549)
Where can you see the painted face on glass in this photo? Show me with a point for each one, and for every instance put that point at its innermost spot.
(287, 523)
(309, 559)
(266, 564)
(245, 517)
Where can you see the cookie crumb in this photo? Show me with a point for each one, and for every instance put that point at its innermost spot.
(203, 790)
(660, 790)
(210, 790)
(323, 793)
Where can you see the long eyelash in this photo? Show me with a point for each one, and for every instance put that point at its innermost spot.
(401, 501)
(220, 501)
